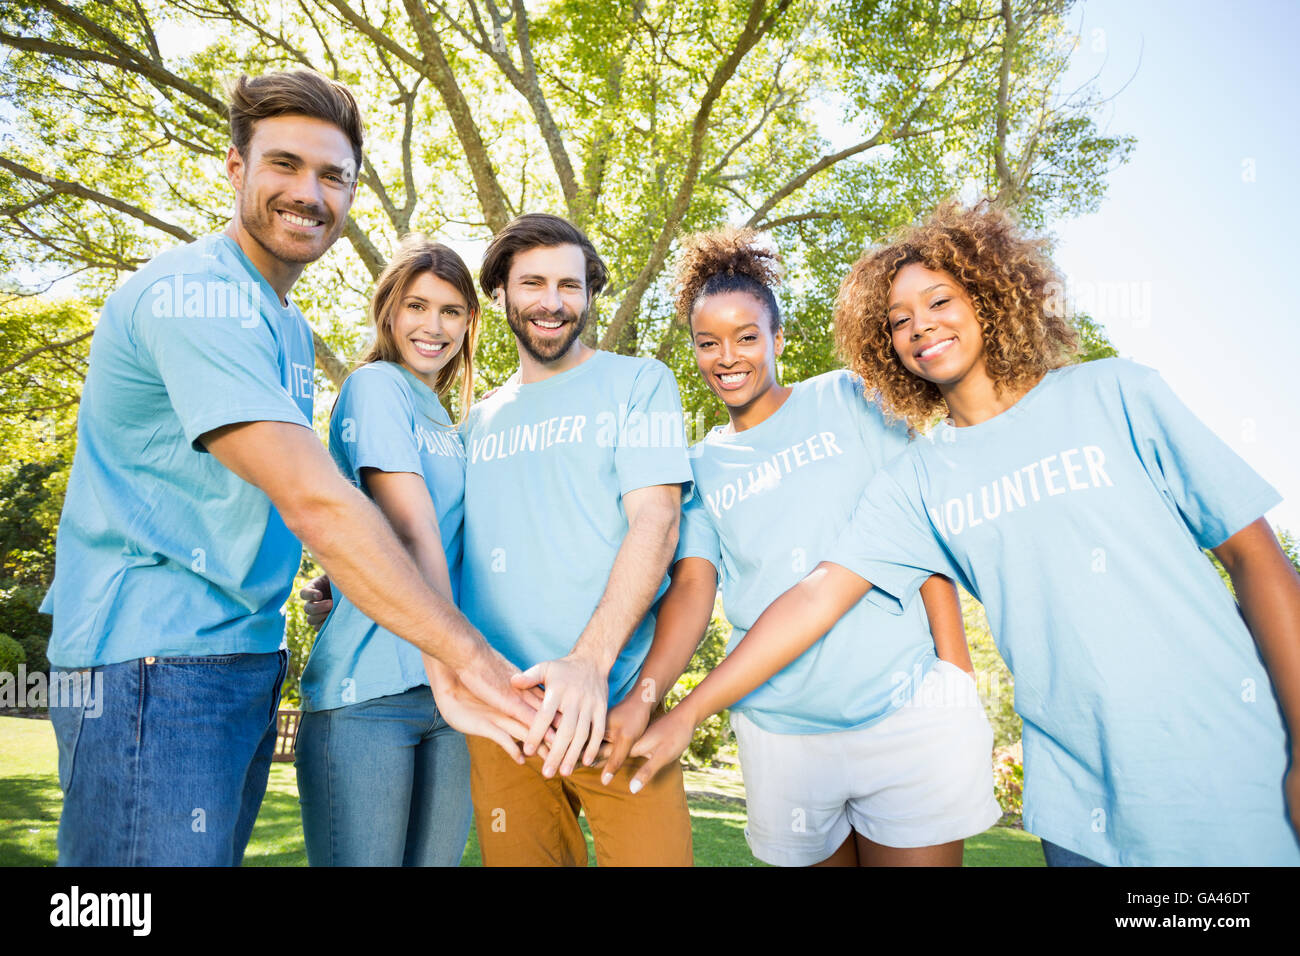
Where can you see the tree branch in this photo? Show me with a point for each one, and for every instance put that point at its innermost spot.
(756, 27)
(85, 192)
(524, 81)
(134, 61)
(48, 347)
(1006, 186)
(491, 197)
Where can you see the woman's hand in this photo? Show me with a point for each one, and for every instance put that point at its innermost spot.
(318, 600)
(665, 741)
(623, 726)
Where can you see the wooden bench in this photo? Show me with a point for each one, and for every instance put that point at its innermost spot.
(287, 735)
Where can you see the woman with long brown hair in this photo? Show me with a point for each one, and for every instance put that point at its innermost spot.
(383, 771)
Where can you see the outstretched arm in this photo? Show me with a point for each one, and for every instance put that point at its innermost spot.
(355, 545)
(1268, 591)
(577, 684)
(682, 621)
(404, 500)
(791, 624)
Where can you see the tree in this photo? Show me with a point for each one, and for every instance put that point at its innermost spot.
(824, 122)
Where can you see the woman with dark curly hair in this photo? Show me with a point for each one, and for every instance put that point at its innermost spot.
(868, 749)
(1073, 500)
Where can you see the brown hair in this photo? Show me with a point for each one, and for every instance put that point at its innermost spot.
(727, 260)
(292, 93)
(415, 255)
(528, 232)
(1009, 279)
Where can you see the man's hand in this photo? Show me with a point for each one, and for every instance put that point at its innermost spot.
(578, 690)
(466, 713)
(489, 678)
(665, 741)
(624, 725)
(318, 600)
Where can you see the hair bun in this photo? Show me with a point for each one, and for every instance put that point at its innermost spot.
(723, 252)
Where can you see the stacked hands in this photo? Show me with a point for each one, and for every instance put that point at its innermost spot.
(557, 710)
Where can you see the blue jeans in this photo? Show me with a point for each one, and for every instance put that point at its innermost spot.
(1055, 855)
(383, 783)
(167, 765)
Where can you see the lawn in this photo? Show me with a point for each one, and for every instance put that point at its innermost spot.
(30, 798)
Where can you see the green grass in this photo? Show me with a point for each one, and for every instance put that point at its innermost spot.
(30, 801)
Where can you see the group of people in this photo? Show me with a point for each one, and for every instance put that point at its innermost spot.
(509, 599)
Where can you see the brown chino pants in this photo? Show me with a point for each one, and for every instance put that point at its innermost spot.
(524, 819)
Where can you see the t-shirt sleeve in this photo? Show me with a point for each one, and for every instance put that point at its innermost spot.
(217, 367)
(651, 447)
(1214, 490)
(698, 538)
(373, 425)
(890, 542)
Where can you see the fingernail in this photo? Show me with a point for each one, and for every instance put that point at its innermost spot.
(636, 786)
(605, 778)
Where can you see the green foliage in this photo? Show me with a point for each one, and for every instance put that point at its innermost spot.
(827, 123)
(996, 686)
(824, 123)
(11, 655)
(298, 634)
(1093, 341)
(1009, 779)
(20, 618)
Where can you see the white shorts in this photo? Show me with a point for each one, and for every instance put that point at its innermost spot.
(921, 777)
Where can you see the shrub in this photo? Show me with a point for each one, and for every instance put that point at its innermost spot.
(1009, 779)
(997, 689)
(20, 619)
(11, 655)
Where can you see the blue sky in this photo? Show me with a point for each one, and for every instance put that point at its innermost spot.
(1199, 227)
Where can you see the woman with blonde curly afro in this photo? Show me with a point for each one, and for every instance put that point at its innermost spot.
(872, 745)
(1074, 501)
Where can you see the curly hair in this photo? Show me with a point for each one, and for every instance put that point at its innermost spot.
(1010, 281)
(727, 260)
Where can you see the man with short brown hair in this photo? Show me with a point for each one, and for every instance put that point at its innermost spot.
(196, 474)
(575, 470)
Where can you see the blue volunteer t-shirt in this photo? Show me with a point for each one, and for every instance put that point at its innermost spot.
(547, 466)
(162, 550)
(1077, 516)
(386, 419)
(769, 502)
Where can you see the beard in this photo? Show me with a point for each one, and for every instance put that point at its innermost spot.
(263, 225)
(551, 349)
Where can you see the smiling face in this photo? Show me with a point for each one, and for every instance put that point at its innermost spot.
(546, 300)
(293, 188)
(736, 348)
(429, 325)
(933, 326)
